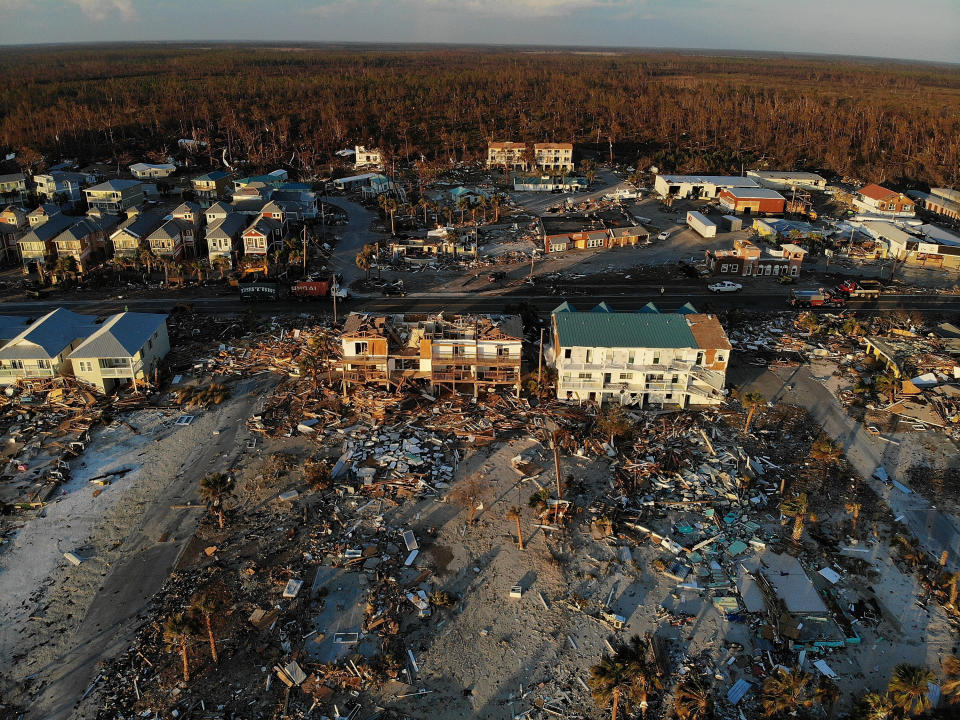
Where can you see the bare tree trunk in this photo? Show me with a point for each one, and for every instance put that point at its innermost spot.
(213, 644)
(186, 661)
(519, 533)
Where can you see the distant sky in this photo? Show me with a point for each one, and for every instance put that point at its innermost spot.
(912, 29)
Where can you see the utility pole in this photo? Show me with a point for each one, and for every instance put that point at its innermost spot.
(556, 463)
(540, 362)
(333, 294)
(304, 250)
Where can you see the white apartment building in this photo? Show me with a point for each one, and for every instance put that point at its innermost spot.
(556, 157)
(644, 358)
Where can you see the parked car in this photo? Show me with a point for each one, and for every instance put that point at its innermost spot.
(724, 286)
(664, 235)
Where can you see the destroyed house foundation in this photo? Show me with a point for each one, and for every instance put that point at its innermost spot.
(463, 353)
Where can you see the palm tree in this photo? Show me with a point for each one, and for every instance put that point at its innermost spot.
(221, 264)
(854, 509)
(852, 327)
(391, 207)
(178, 632)
(826, 450)
(613, 681)
(514, 514)
(363, 262)
(796, 507)
(65, 266)
(827, 695)
(888, 385)
(951, 686)
(207, 605)
(538, 501)
(751, 400)
(462, 205)
(692, 701)
(951, 585)
(483, 203)
(908, 688)
(495, 204)
(423, 204)
(876, 706)
(146, 257)
(215, 488)
(199, 267)
(786, 692)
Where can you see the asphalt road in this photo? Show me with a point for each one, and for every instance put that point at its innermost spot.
(626, 297)
(111, 619)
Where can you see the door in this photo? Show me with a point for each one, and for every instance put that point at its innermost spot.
(606, 378)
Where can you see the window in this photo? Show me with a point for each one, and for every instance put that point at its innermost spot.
(589, 356)
(16, 364)
(150, 344)
(675, 379)
(360, 348)
(720, 357)
(668, 396)
(585, 375)
(631, 358)
(626, 376)
(43, 364)
(503, 351)
(608, 356)
(656, 359)
(699, 358)
(567, 352)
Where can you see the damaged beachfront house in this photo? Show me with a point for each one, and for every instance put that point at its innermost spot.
(639, 358)
(462, 353)
(126, 346)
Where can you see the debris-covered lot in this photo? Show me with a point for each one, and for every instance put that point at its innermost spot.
(402, 554)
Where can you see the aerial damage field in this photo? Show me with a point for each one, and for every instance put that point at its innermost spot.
(402, 554)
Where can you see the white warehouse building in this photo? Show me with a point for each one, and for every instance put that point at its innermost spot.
(699, 186)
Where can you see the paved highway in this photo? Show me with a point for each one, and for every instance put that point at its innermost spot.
(619, 298)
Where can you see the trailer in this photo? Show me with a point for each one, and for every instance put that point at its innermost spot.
(251, 292)
(861, 290)
(732, 223)
(702, 224)
(310, 289)
(815, 298)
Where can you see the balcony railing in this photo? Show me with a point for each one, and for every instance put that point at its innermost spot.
(488, 360)
(26, 372)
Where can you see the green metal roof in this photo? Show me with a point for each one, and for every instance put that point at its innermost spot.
(649, 308)
(602, 307)
(564, 307)
(631, 330)
(688, 309)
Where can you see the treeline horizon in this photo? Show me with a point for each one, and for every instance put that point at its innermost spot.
(892, 122)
